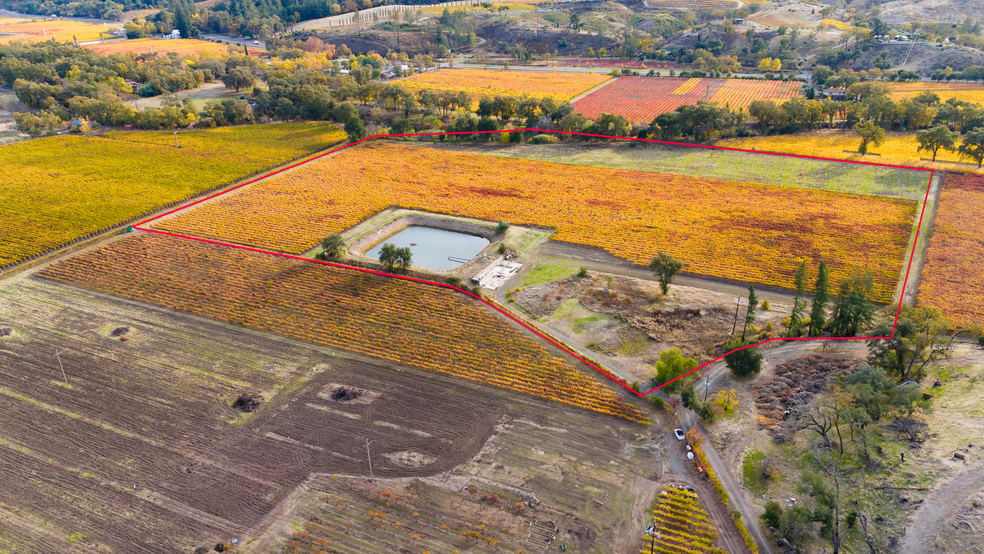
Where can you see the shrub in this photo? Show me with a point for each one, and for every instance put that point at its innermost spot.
(583, 272)
(742, 362)
(501, 227)
(773, 514)
(765, 305)
(659, 403)
(544, 139)
(502, 248)
(851, 519)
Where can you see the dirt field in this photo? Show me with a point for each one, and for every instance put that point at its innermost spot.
(595, 481)
(628, 323)
(141, 450)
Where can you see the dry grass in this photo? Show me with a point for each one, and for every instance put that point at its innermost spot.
(61, 31)
(480, 83)
(183, 47)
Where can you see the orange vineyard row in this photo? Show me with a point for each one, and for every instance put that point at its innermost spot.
(749, 232)
(953, 275)
(408, 323)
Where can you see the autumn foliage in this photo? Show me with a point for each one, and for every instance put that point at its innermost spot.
(479, 83)
(953, 275)
(640, 99)
(736, 230)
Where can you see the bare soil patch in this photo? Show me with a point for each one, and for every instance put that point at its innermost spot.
(630, 322)
(409, 459)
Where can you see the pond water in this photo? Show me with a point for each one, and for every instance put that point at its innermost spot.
(432, 247)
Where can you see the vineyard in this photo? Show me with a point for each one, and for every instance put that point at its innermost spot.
(450, 333)
(640, 99)
(968, 92)
(615, 62)
(479, 83)
(182, 47)
(58, 189)
(680, 526)
(898, 149)
(953, 277)
(735, 230)
(61, 31)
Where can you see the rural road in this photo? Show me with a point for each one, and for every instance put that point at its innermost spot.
(689, 419)
(938, 506)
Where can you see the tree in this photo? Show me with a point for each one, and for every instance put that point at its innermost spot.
(821, 294)
(799, 302)
(870, 133)
(921, 338)
(932, 140)
(765, 65)
(765, 112)
(972, 147)
(401, 126)
(671, 365)
(45, 123)
(332, 247)
(238, 78)
(575, 23)
(391, 257)
(611, 125)
(742, 362)
(355, 129)
(853, 311)
(182, 22)
(750, 312)
(666, 268)
(772, 515)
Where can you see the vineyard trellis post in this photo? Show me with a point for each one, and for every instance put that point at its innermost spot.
(368, 455)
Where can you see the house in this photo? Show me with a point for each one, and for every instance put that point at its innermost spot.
(173, 34)
(737, 21)
(835, 93)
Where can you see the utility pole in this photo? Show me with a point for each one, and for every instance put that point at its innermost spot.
(58, 355)
(735, 326)
(368, 455)
(707, 383)
(175, 139)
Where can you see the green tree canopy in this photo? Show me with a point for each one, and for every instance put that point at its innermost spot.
(870, 133)
(666, 268)
(672, 364)
(939, 137)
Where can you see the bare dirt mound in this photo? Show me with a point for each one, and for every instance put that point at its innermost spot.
(348, 394)
(248, 402)
(794, 384)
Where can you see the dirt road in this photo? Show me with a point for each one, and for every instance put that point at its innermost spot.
(940, 505)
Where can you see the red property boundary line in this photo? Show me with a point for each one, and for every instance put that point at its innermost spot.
(528, 327)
